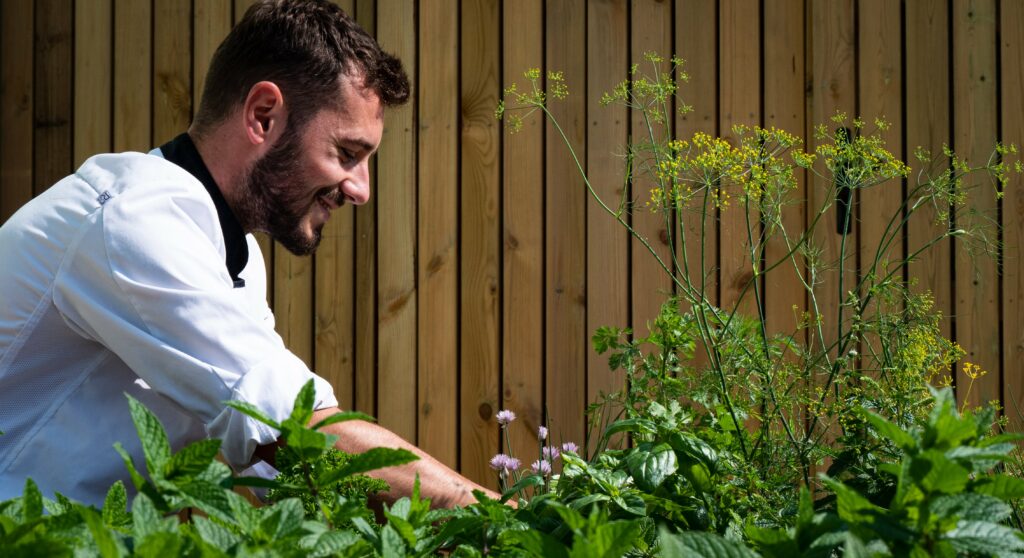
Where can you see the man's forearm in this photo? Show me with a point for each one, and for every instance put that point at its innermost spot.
(442, 485)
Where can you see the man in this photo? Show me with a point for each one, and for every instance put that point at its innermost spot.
(137, 274)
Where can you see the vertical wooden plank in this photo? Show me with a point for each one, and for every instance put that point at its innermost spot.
(396, 242)
(364, 389)
(93, 79)
(697, 44)
(1011, 81)
(52, 106)
(834, 90)
(880, 89)
(522, 345)
(211, 23)
(975, 114)
(481, 299)
(15, 106)
(333, 302)
(739, 95)
(438, 264)
(651, 32)
(607, 241)
(172, 69)
(133, 75)
(927, 125)
(565, 226)
(784, 75)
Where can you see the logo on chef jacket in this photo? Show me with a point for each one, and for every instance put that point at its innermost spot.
(104, 197)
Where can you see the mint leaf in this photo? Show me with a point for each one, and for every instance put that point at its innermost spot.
(192, 459)
(250, 410)
(155, 446)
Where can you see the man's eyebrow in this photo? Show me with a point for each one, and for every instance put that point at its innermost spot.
(363, 144)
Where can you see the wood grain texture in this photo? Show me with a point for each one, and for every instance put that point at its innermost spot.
(976, 124)
(16, 23)
(607, 241)
(926, 36)
(565, 227)
(52, 90)
(522, 345)
(739, 86)
(172, 69)
(479, 289)
(93, 76)
(396, 242)
(364, 396)
(438, 265)
(133, 53)
(650, 33)
(212, 20)
(1011, 82)
(784, 108)
(697, 43)
(880, 89)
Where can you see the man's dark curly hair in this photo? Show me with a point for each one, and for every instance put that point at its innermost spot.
(305, 47)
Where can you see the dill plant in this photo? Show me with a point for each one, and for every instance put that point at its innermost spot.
(784, 405)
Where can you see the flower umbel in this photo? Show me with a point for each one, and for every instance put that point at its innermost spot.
(504, 463)
(505, 417)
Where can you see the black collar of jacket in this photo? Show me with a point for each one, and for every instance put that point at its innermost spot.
(182, 152)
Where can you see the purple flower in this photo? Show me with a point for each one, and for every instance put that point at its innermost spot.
(541, 467)
(505, 417)
(569, 446)
(549, 453)
(504, 463)
(542, 433)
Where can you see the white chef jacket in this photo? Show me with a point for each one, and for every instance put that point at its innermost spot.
(114, 281)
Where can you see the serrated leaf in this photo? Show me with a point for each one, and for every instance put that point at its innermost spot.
(610, 540)
(525, 482)
(31, 502)
(215, 534)
(935, 473)
(252, 411)
(136, 477)
(145, 519)
(376, 458)
(650, 468)
(984, 538)
(305, 442)
(537, 543)
(402, 527)
(101, 535)
(283, 519)
(343, 417)
(1000, 486)
(243, 513)
(115, 506)
(208, 497)
(155, 446)
(697, 544)
(302, 412)
(890, 431)
(193, 459)
(971, 507)
(331, 543)
(160, 545)
(391, 545)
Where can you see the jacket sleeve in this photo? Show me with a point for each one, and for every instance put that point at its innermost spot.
(147, 280)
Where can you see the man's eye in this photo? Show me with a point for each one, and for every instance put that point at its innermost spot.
(347, 156)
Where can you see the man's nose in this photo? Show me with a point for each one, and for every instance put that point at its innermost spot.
(356, 188)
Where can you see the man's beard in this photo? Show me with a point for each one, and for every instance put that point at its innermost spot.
(273, 199)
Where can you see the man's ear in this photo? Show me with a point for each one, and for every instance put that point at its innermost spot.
(263, 113)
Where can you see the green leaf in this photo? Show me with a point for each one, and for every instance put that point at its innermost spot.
(525, 482)
(376, 458)
(145, 519)
(115, 506)
(537, 543)
(890, 431)
(1000, 486)
(343, 417)
(192, 459)
(983, 537)
(105, 542)
(136, 477)
(402, 527)
(971, 506)
(215, 534)
(208, 497)
(160, 545)
(151, 433)
(642, 426)
(697, 544)
(650, 468)
(31, 502)
(252, 411)
(936, 473)
(302, 412)
(283, 519)
(391, 545)
(305, 442)
(610, 540)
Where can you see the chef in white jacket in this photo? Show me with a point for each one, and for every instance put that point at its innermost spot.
(139, 274)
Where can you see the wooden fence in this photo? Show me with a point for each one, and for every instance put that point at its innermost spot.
(472, 280)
